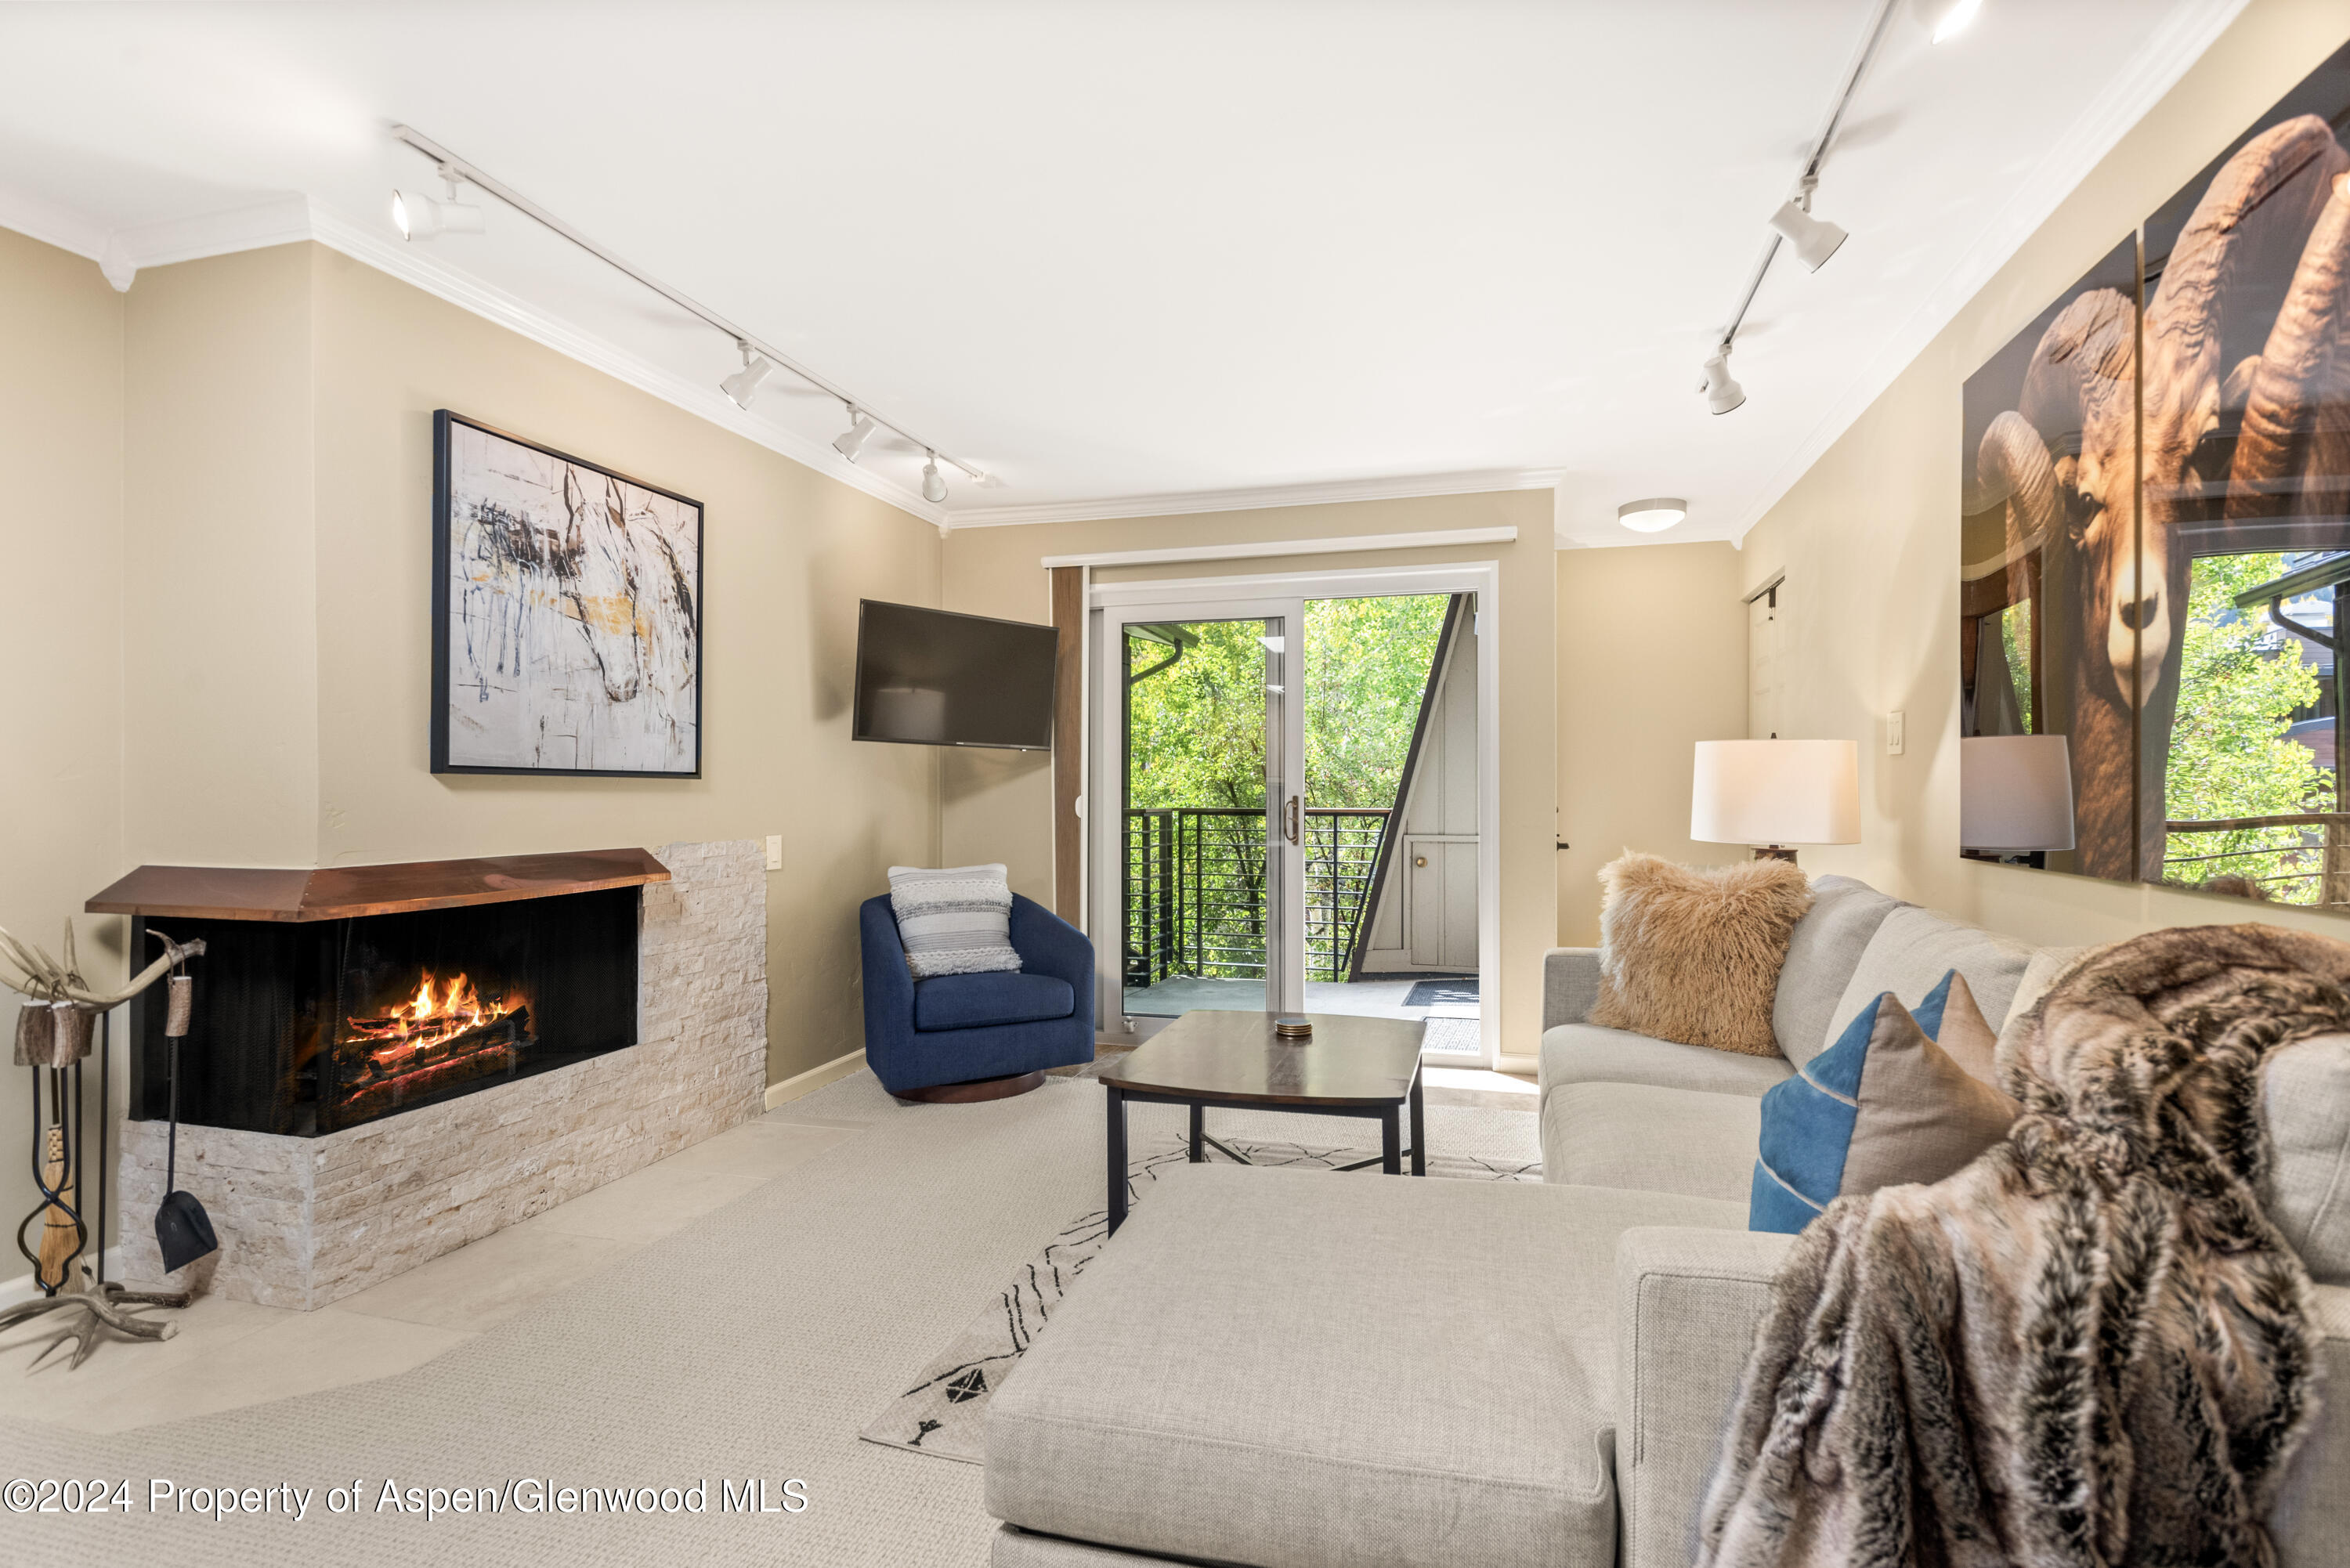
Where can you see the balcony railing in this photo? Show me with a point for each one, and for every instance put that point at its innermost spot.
(2295, 858)
(1195, 891)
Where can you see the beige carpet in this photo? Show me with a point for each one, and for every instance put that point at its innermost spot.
(754, 1345)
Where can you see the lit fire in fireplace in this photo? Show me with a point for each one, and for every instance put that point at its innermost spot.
(411, 1029)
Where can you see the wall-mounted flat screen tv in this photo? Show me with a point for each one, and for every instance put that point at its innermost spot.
(928, 677)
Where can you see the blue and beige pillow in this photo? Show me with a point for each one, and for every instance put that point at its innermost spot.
(954, 920)
(1901, 1096)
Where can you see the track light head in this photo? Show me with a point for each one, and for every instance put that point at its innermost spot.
(1954, 19)
(1813, 240)
(934, 483)
(418, 216)
(851, 442)
(743, 386)
(1653, 516)
(1722, 392)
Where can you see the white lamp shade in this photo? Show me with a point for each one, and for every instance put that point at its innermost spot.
(1776, 792)
(2016, 793)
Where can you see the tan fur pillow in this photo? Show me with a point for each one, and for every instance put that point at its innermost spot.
(1692, 953)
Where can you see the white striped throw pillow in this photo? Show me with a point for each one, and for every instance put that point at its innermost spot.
(957, 921)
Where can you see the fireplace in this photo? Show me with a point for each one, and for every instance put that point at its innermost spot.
(370, 991)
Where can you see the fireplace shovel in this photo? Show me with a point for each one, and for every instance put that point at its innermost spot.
(184, 1231)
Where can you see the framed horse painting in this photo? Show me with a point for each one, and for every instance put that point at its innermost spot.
(566, 613)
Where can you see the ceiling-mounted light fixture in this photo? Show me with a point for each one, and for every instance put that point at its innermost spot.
(743, 386)
(421, 217)
(418, 216)
(851, 442)
(934, 483)
(1955, 19)
(1653, 516)
(1722, 392)
(1813, 240)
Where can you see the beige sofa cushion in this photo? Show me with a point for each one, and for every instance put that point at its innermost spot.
(1651, 1138)
(1911, 952)
(1296, 1370)
(1587, 1053)
(1822, 953)
(2305, 1098)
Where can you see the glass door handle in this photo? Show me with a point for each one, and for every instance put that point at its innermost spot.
(1292, 819)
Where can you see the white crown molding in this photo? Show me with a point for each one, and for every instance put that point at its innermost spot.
(2168, 54)
(1186, 503)
(52, 225)
(1258, 549)
(122, 252)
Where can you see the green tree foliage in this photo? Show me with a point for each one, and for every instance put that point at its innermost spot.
(2015, 637)
(1196, 729)
(2240, 679)
(1367, 663)
(1195, 738)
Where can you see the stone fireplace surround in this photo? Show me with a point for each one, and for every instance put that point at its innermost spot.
(304, 1221)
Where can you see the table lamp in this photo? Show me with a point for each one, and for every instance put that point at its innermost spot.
(2015, 796)
(1776, 794)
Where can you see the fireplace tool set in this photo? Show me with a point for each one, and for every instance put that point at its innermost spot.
(53, 1035)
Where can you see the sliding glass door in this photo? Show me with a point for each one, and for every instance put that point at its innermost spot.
(1290, 807)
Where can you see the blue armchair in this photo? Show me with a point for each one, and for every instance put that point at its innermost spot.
(977, 1036)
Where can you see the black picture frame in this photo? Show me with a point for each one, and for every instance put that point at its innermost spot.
(444, 526)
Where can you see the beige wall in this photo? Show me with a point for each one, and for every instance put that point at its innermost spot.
(999, 806)
(61, 632)
(1651, 659)
(220, 583)
(787, 553)
(1869, 537)
(219, 558)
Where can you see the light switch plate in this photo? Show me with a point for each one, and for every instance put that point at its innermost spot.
(775, 852)
(1894, 737)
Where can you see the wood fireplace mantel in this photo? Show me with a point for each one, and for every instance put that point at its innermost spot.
(339, 892)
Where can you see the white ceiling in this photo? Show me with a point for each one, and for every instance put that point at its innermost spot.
(1117, 254)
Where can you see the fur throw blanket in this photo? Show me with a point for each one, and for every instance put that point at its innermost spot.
(2088, 1347)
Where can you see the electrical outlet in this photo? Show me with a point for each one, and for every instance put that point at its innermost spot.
(775, 852)
(1894, 737)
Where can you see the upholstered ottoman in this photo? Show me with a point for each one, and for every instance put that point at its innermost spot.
(1305, 1370)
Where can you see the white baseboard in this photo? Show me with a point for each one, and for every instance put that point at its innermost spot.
(815, 1078)
(1503, 1062)
(23, 1289)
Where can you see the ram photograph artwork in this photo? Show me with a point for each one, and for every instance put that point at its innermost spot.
(568, 631)
(2157, 533)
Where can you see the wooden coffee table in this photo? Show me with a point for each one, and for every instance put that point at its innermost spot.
(1366, 1067)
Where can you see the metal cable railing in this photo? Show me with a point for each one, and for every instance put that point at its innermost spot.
(1195, 891)
(2293, 858)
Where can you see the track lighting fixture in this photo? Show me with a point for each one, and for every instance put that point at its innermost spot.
(1813, 240)
(743, 386)
(418, 216)
(1955, 19)
(1653, 516)
(851, 442)
(1723, 393)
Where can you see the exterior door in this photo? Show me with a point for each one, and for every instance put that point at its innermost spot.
(1198, 849)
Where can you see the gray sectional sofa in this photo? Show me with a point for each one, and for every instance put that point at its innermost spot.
(1284, 1370)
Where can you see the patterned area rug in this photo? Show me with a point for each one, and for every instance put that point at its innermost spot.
(943, 1413)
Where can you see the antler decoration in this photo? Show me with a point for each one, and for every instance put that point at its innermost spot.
(100, 1306)
(39, 974)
